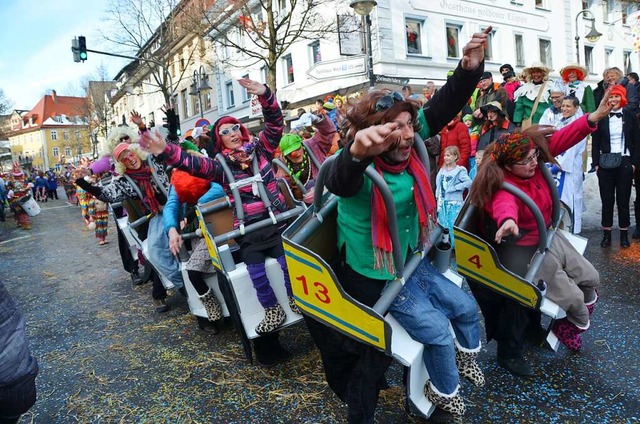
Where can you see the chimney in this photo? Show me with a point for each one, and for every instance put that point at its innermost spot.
(53, 95)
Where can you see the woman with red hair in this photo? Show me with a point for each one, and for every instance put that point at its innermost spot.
(618, 139)
(573, 76)
(512, 230)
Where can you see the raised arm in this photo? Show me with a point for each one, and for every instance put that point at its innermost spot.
(273, 119)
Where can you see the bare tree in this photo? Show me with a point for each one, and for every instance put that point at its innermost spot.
(248, 32)
(5, 106)
(153, 30)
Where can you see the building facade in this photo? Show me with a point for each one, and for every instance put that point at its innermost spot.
(412, 42)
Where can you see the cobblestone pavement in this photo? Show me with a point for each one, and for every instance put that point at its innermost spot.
(107, 357)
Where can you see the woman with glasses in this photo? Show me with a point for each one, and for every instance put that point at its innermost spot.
(571, 279)
(240, 150)
(381, 136)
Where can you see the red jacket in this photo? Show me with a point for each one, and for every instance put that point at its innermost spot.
(456, 134)
(504, 205)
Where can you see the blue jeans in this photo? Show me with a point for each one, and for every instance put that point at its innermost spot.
(424, 307)
(159, 253)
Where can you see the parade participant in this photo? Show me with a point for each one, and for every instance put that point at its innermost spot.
(573, 76)
(18, 369)
(616, 155)
(532, 98)
(186, 191)
(52, 180)
(341, 110)
(19, 189)
(496, 124)
(239, 150)
(553, 114)
(42, 186)
(451, 182)
(297, 159)
(474, 135)
(568, 173)
(381, 134)
(571, 279)
(150, 180)
(3, 199)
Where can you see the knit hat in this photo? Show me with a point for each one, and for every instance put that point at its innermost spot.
(228, 120)
(188, 134)
(510, 148)
(507, 66)
(619, 90)
(187, 145)
(120, 148)
(467, 117)
(290, 143)
(486, 75)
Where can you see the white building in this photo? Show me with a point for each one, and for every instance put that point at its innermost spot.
(419, 40)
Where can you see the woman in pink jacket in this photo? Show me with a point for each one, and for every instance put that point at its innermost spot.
(571, 279)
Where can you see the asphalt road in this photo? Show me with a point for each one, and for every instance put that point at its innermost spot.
(107, 357)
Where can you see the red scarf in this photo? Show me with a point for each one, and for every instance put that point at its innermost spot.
(142, 177)
(425, 202)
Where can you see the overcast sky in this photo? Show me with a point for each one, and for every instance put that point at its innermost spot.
(35, 36)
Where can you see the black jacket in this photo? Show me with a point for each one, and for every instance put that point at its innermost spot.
(633, 101)
(601, 138)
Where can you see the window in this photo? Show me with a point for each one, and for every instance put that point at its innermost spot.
(231, 98)
(263, 74)
(314, 49)
(183, 97)
(608, 10)
(54, 135)
(545, 53)
(282, 4)
(56, 152)
(413, 30)
(206, 98)
(245, 94)
(67, 151)
(627, 62)
(588, 58)
(288, 69)
(453, 45)
(77, 134)
(195, 103)
(608, 53)
(65, 135)
(519, 43)
(540, 3)
(488, 50)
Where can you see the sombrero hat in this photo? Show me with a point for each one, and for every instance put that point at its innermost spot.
(536, 65)
(575, 66)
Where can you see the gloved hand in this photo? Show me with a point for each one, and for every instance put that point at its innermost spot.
(101, 165)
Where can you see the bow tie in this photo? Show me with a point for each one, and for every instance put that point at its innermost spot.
(616, 114)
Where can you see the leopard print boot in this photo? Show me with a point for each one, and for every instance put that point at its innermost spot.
(468, 367)
(274, 317)
(211, 305)
(294, 307)
(452, 403)
(568, 333)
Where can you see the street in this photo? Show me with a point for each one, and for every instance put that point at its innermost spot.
(105, 356)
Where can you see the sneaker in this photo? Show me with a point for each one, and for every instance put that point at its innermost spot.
(516, 366)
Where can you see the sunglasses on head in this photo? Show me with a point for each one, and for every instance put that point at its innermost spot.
(124, 138)
(229, 130)
(387, 101)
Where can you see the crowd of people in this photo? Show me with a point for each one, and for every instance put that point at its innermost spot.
(480, 133)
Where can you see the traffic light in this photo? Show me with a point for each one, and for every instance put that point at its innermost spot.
(75, 50)
(82, 48)
(178, 130)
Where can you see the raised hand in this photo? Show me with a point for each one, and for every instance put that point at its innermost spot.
(473, 52)
(603, 108)
(136, 118)
(253, 87)
(152, 142)
(375, 140)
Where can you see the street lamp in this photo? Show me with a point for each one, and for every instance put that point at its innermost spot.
(593, 34)
(364, 8)
(200, 83)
